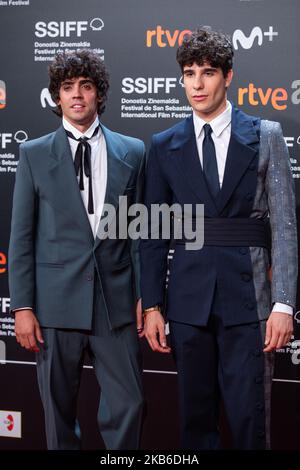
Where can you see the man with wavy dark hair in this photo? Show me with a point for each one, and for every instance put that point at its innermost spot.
(226, 313)
(72, 291)
(82, 64)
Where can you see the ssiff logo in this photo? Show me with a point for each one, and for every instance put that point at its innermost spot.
(6, 138)
(290, 142)
(53, 29)
(10, 424)
(2, 94)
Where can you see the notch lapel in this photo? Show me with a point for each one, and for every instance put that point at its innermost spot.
(186, 158)
(63, 185)
(118, 171)
(242, 149)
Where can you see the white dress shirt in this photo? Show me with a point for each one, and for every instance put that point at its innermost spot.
(221, 131)
(98, 166)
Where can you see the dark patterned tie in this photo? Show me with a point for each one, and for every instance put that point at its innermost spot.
(210, 167)
(82, 162)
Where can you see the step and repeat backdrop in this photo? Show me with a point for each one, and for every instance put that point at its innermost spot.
(138, 41)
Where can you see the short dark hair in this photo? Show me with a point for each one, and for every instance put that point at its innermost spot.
(204, 45)
(83, 63)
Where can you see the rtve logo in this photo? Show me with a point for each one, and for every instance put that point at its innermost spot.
(256, 35)
(53, 29)
(7, 138)
(3, 263)
(2, 94)
(276, 97)
(164, 37)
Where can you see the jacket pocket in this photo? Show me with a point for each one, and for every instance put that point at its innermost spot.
(50, 265)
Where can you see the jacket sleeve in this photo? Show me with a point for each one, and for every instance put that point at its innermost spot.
(154, 252)
(21, 259)
(281, 201)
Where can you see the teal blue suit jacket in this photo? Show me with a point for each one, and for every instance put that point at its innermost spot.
(53, 256)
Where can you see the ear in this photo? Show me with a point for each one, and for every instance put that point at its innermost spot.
(228, 78)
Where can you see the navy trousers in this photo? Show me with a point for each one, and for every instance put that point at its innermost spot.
(217, 361)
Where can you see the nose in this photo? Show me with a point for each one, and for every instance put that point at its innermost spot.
(198, 82)
(77, 92)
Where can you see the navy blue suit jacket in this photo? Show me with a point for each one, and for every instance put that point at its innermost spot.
(174, 175)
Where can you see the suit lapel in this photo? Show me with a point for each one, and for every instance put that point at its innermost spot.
(187, 160)
(118, 171)
(243, 147)
(65, 194)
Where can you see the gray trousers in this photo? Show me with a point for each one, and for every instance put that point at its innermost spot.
(116, 359)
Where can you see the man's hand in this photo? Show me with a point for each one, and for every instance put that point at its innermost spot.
(28, 330)
(139, 319)
(154, 328)
(279, 330)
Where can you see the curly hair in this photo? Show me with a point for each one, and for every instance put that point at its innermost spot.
(204, 45)
(83, 63)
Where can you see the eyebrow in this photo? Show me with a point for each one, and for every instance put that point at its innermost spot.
(210, 69)
(82, 82)
(206, 69)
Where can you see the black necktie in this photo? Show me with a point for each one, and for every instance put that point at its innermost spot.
(210, 167)
(82, 162)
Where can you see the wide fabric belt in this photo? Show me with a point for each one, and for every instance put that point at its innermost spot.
(234, 232)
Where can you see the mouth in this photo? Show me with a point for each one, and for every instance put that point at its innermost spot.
(199, 97)
(77, 106)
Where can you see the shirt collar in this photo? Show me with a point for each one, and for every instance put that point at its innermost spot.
(76, 133)
(218, 124)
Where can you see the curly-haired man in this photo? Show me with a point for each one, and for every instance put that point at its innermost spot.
(72, 291)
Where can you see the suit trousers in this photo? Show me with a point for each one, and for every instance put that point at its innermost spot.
(116, 358)
(215, 362)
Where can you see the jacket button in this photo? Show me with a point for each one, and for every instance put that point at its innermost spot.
(243, 250)
(89, 277)
(249, 305)
(249, 197)
(261, 433)
(258, 380)
(252, 167)
(257, 352)
(259, 406)
(246, 277)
